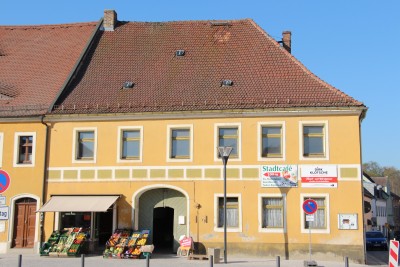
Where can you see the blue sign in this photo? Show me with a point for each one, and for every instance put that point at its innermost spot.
(310, 206)
(4, 181)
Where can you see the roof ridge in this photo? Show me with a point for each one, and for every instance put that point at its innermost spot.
(187, 21)
(63, 25)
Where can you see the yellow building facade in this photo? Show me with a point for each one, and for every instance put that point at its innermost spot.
(22, 146)
(193, 186)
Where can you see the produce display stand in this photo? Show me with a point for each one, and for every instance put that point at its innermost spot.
(125, 244)
(115, 246)
(64, 243)
(51, 242)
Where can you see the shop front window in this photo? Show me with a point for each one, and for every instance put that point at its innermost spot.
(75, 219)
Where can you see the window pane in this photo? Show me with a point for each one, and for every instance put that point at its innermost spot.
(130, 144)
(272, 212)
(313, 140)
(313, 129)
(271, 142)
(229, 137)
(25, 149)
(313, 145)
(86, 145)
(232, 212)
(180, 147)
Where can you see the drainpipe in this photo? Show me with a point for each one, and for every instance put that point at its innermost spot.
(361, 117)
(46, 146)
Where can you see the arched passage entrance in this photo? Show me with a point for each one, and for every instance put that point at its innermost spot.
(164, 212)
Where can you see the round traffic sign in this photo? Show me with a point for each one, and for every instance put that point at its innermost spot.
(310, 206)
(4, 181)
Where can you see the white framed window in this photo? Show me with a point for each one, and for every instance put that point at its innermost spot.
(233, 213)
(24, 149)
(130, 144)
(1, 149)
(314, 141)
(228, 134)
(321, 223)
(271, 141)
(84, 145)
(272, 213)
(180, 143)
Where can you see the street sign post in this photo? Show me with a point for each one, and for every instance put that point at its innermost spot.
(309, 208)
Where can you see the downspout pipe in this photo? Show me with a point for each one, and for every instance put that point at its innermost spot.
(361, 118)
(45, 167)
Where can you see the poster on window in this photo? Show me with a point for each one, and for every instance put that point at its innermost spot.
(321, 176)
(279, 176)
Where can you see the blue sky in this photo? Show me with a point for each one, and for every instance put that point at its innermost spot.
(353, 45)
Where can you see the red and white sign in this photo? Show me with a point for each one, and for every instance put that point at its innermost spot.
(186, 242)
(4, 181)
(319, 176)
(394, 253)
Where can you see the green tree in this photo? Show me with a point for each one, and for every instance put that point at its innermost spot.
(373, 169)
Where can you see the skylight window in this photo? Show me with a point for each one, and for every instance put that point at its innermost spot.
(180, 53)
(128, 85)
(226, 83)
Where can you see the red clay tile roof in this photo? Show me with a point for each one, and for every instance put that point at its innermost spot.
(264, 74)
(35, 61)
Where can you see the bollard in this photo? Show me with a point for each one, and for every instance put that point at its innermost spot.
(346, 261)
(211, 260)
(278, 261)
(82, 260)
(19, 260)
(147, 259)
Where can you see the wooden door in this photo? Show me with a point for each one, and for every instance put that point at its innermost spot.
(24, 224)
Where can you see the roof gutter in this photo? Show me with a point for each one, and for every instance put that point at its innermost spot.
(77, 65)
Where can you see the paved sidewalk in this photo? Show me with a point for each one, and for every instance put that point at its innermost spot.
(157, 260)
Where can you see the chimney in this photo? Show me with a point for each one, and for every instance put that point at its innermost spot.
(287, 40)
(110, 20)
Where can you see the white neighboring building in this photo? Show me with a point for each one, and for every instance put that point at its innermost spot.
(379, 205)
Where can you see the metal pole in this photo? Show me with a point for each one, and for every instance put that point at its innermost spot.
(278, 261)
(225, 247)
(19, 260)
(211, 260)
(346, 261)
(147, 259)
(309, 231)
(82, 260)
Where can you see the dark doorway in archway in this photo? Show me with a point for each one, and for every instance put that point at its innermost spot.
(163, 227)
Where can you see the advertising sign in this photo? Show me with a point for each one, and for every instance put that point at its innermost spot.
(319, 176)
(279, 176)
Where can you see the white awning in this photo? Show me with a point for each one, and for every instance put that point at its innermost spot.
(79, 203)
